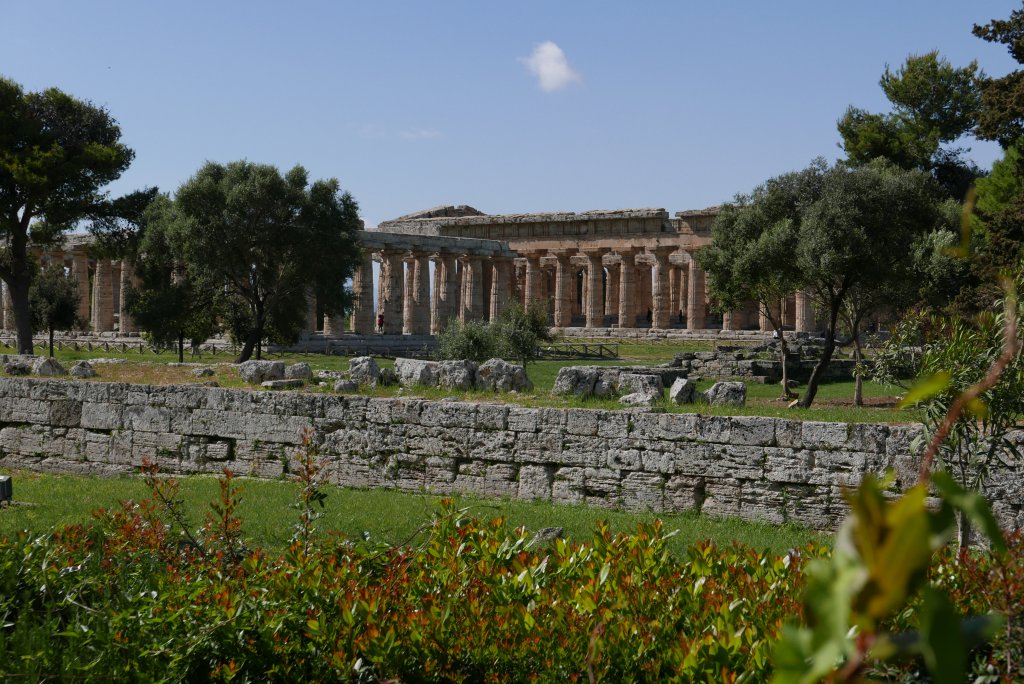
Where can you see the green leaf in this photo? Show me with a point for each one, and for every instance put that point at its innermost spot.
(942, 643)
(926, 389)
(974, 506)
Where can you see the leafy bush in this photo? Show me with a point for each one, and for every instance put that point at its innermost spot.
(131, 599)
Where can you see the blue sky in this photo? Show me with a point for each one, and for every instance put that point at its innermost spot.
(414, 104)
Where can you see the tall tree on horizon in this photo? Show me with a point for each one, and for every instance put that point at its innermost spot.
(56, 154)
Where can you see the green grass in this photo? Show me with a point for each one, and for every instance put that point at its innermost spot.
(49, 501)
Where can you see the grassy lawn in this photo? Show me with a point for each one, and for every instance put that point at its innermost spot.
(49, 501)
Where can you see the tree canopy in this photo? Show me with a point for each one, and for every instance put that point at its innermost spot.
(169, 305)
(56, 154)
(269, 242)
(934, 104)
(53, 299)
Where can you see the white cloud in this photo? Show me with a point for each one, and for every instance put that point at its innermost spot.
(419, 133)
(549, 65)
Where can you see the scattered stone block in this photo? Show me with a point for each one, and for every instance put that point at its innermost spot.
(364, 370)
(202, 372)
(576, 380)
(82, 370)
(17, 368)
(501, 376)
(298, 371)
(456, 375)
(387, 377)
(256, 372)
(282, 384)
(638, 399)
(727, 394)
(416, 372)
(346, 386)
(631, 383)
(47, 366)
(683, 391)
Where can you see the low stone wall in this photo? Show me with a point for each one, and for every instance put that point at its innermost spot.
(758, 468)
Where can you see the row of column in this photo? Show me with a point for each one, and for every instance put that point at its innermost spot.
(418, 293)
(623, 288)
(100, 284)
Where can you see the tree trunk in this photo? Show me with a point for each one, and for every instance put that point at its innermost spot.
(783, 353)
(248, 346)
(181, 347)
(858, 380)
(826, 356)
(22, 315)
(51, 341)
(963, 530)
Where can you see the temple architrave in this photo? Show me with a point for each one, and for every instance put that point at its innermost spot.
(629, 268)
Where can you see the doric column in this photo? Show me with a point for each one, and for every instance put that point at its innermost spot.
(661, 292)
(644, 273)
(501, 286)
(684, 282)
(564, 287)
(103, 297)
(472, 304)
(362, 321)
(695, 299)
(763, 321)
(594, 303)
(421, 294)
(436, 301)
(627, 290)
(611, 299)
(446, 295)
(727, 321)
(80, 272)
(409, 298)
(391, 292)
(127, 282)
(532, 291)
(804, 312)
(673, 288)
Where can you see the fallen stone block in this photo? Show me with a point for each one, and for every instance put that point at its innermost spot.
(282, 384)
(255, 372)
(683, 391)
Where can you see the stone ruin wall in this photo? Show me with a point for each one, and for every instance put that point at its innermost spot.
(757, 468)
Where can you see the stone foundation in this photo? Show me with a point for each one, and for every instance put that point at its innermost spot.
(757, 468)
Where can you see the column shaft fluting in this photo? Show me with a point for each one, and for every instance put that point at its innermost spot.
(103, 297)
(595, 291)
(660, 296)
(392, 292)
(564, 287)
(361, 320)
(695, 299)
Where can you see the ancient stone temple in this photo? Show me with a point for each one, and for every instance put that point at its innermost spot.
(629, 268)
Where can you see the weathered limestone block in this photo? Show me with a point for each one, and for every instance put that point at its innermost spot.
(413, 372)
(535, 482)
(580, 381)
(682, 391)
(298, 371)
(501, 376)
(491, 417)
(788, 465)
(82, 369)
(456, 375)
(684, 493)
(17, 368)
(752, 430)
(824, 435)
(636, 383)
(364, 370)
(47, 366)
(282, 384)
(727, 394)
(65, 413)
(638, 399)
(643, 491)
(346, 386)
(583, 421)
(387, 377)
(846, 468)
(205, 372)
(254, 372)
